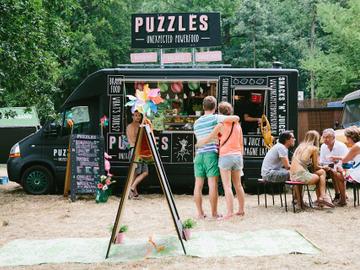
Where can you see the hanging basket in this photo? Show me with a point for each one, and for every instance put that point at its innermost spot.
(194, 86)
(176, 87)
(163, 87)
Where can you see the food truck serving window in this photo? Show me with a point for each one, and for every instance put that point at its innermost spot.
(249, 105)
(182, 102)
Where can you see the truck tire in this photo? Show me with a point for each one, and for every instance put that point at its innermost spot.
(37, 180)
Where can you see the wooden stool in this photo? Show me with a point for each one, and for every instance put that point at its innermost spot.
(265, 183)
(293, 184)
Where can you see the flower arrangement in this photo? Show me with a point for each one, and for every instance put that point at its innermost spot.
(102, 191)
(105, 182)
(189, 223)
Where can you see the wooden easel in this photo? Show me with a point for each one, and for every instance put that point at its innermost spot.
(67, 183)
(145, 130)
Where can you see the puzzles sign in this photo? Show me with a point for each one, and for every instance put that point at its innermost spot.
(170, 30)
(60, 154)
(172, 147)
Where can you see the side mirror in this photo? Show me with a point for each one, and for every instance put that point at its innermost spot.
(51, 129)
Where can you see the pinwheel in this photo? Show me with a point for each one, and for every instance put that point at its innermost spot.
(104, 121)
(145, 101)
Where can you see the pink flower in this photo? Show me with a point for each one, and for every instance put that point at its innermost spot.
(100, 186)
(108, 181)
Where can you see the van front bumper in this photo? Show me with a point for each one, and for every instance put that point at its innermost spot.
(14, 166)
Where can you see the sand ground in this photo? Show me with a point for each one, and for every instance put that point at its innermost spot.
(334, 231)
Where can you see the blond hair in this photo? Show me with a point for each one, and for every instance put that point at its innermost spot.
(312, 137)
(353, 133)
(225, 108)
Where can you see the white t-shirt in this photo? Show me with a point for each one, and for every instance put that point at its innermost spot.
(339, 149)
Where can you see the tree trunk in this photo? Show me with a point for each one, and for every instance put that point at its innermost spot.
(312, 52)
(254, 46)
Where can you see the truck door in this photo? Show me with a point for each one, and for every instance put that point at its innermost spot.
(55, 147)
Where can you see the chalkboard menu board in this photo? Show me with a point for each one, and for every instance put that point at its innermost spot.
(87, 163)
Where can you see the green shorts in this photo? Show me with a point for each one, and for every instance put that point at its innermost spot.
(206, 165)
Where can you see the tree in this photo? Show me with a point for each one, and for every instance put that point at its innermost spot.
(337, 65)
(28, 69)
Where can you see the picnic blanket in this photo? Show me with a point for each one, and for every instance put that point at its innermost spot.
(202, 244)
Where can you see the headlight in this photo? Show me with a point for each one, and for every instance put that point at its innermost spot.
(15, 151)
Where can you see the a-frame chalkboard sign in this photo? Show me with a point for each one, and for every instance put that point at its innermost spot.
(85, 164)
(145, 135)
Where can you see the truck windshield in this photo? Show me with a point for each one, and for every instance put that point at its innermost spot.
(351, 114)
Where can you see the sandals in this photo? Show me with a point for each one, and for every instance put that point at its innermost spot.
(325, 203)
(203, 216)
(133, 195)
(226, 217)
(341, 204)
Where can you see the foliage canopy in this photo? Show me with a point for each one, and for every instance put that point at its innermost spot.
(48, 47)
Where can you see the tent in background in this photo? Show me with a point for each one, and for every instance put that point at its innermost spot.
(24, 121)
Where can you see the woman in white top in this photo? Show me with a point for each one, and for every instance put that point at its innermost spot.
(352, 135)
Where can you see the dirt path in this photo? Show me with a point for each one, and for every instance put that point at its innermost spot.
(43, 217)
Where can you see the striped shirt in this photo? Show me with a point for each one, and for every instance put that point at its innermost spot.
(202, 128)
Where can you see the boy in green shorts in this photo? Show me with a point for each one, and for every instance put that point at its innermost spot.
(206, 158)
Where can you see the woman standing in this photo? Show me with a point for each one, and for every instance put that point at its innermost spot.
(231, 149)
(305, 156)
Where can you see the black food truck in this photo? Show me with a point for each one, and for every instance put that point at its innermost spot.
(38, 162)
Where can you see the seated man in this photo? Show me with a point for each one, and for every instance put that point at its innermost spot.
(276, 165)
(332, 147)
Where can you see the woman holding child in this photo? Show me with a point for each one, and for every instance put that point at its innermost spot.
(305, 156)
(231, 149)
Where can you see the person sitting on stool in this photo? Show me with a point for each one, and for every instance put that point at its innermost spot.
(332, 147)
(276, 165)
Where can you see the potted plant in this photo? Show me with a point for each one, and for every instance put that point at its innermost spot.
(121, 234)
(197, 108)
(188, 224)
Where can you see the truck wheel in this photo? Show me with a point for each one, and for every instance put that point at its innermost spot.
(37, 180)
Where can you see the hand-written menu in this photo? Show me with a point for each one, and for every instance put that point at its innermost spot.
(87, 163)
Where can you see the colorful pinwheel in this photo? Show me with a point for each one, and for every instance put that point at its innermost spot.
(145, 101)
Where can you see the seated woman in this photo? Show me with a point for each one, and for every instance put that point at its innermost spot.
(352, 135)
(306, 154)
(230, 159)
